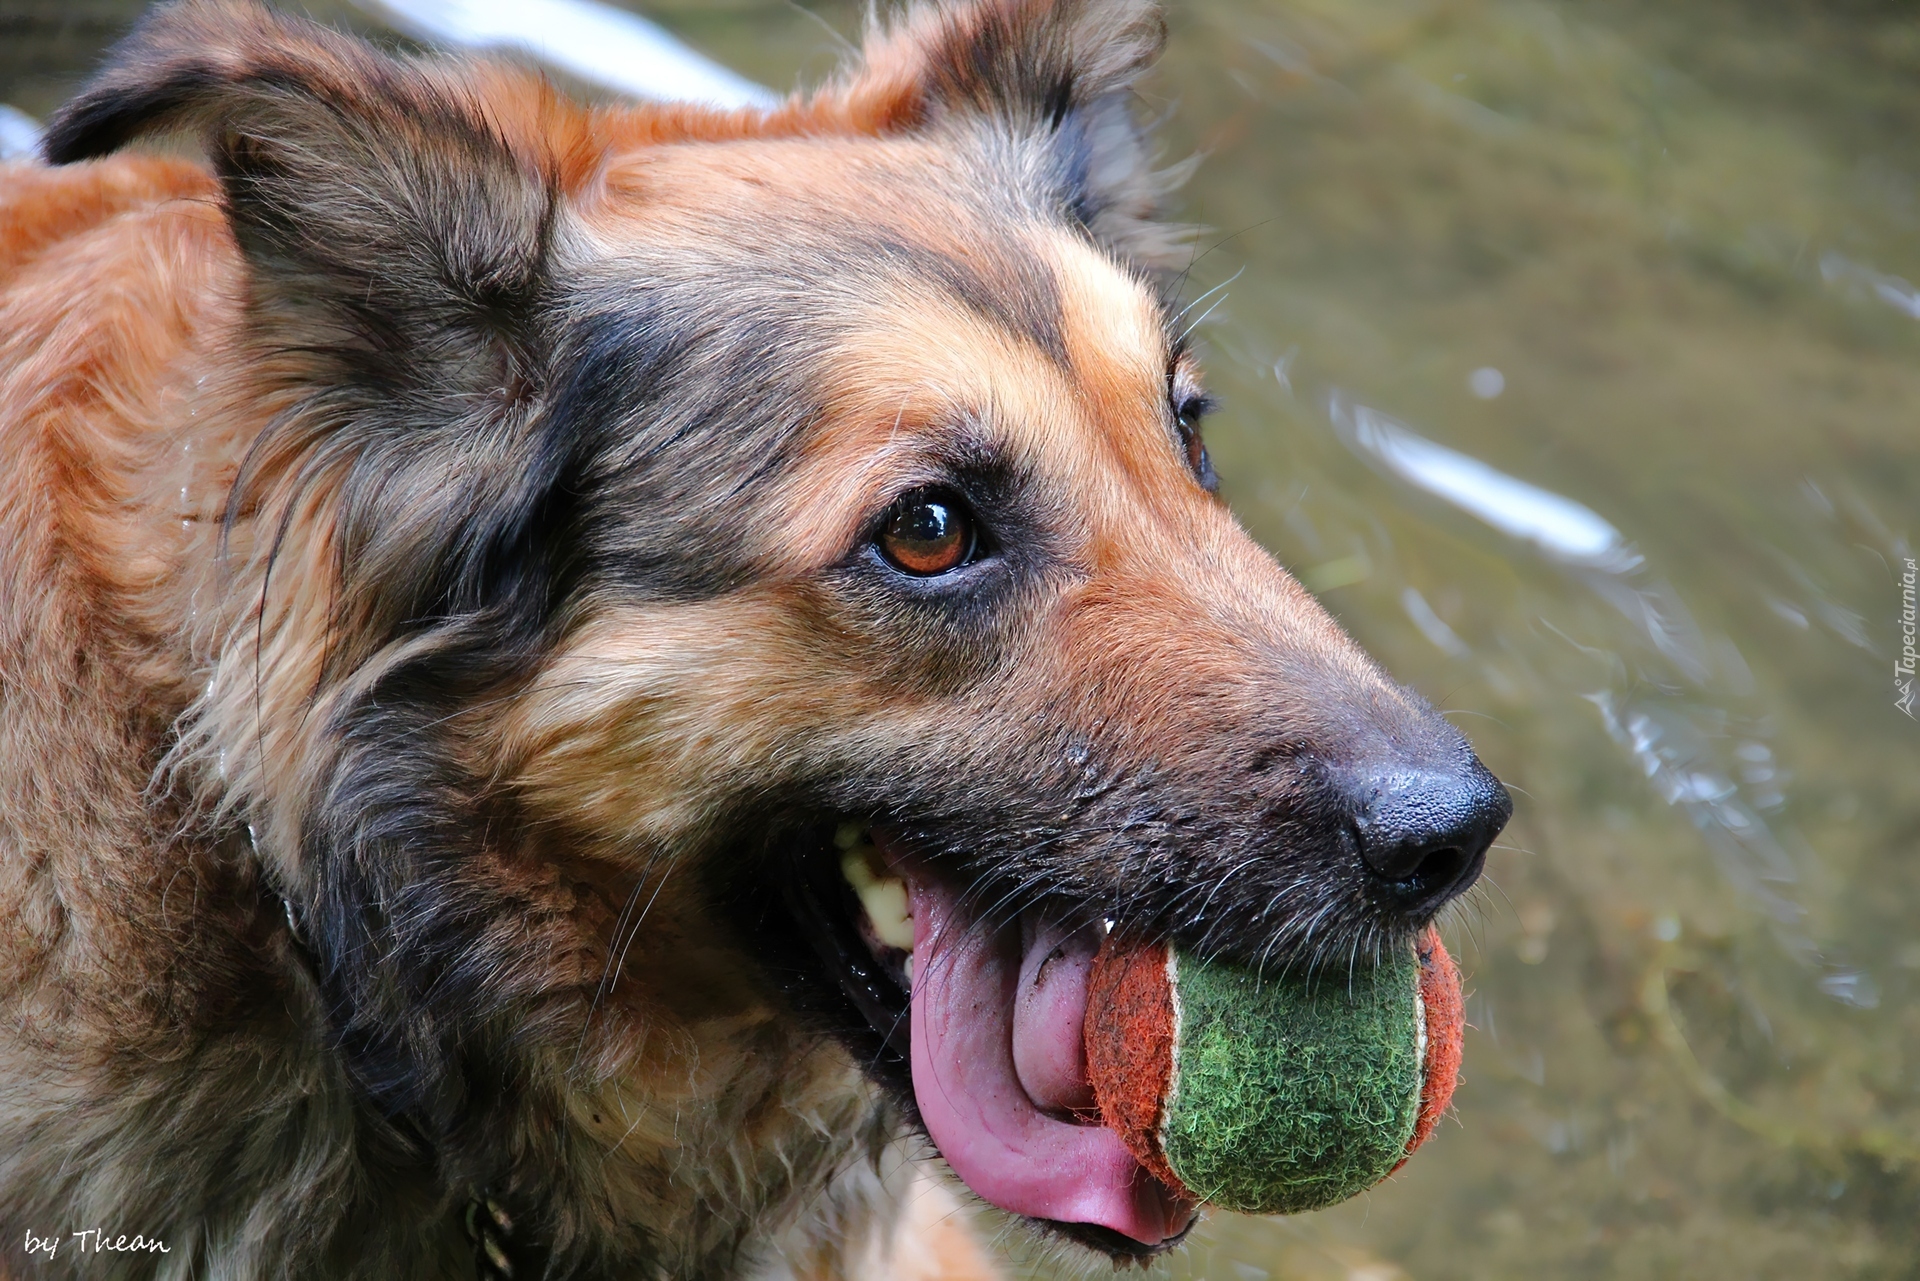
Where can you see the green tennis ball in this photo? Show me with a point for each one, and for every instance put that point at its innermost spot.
(1271, 1094)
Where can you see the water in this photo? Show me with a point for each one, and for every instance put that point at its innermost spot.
(1571, 352)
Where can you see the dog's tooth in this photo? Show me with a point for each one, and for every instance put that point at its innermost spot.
(850, 836)
(883, 897)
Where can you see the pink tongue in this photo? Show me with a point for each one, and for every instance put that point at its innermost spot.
(999, 1067)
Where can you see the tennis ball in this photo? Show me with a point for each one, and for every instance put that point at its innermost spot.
(1271, 1094)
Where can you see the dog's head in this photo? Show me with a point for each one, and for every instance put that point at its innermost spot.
(784, 539)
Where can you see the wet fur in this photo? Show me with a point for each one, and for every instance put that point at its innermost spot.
(435, 599)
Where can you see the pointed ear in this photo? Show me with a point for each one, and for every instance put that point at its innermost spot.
(390, 217)
(1059, 75)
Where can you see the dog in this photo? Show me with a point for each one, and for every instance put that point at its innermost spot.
(579, 684)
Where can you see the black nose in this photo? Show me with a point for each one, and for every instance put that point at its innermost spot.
(1424, 833)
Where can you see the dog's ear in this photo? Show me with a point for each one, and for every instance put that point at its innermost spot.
(1056, 75)
(389, 217)
(397, 219)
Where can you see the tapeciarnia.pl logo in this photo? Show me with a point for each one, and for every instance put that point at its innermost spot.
(1904, 664)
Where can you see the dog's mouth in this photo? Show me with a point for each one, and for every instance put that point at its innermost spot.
(983, 1016)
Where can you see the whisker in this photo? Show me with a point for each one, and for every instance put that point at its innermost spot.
(1208, 294)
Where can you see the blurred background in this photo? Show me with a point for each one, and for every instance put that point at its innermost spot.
(1568, 351)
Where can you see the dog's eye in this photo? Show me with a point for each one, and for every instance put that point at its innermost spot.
(928, 531)
(1186, 420)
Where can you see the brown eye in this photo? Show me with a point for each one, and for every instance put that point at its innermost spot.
(928, 532)
(1196, 448)
(1187, 422)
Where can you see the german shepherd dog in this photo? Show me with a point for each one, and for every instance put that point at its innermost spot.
(578, 685)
